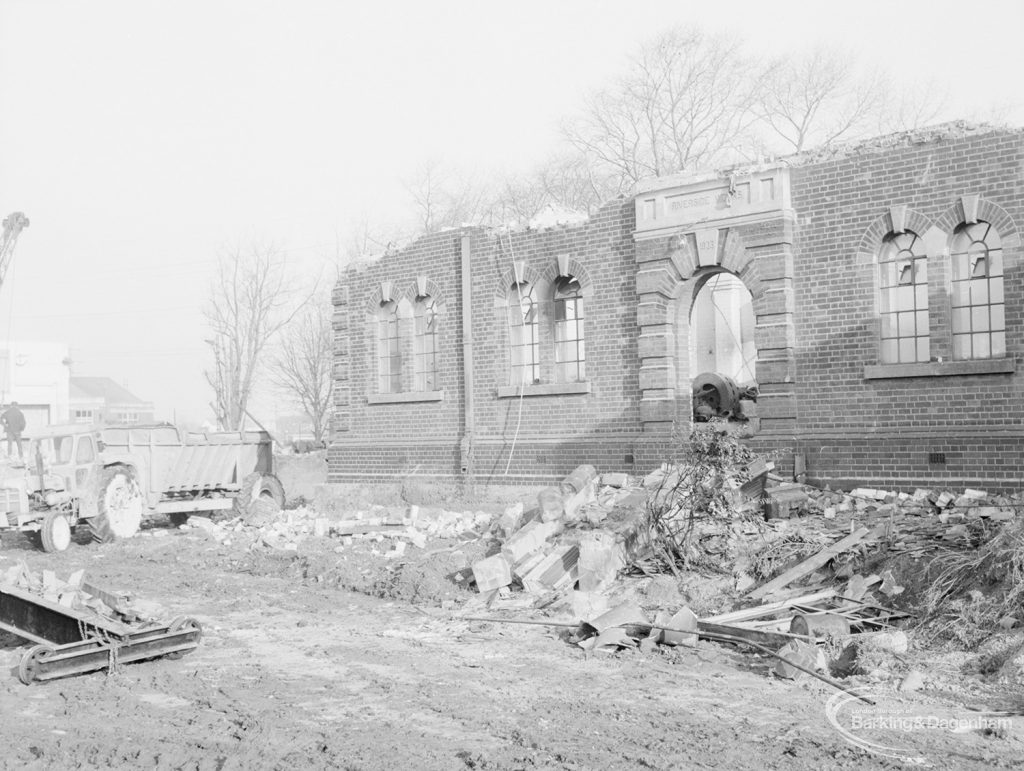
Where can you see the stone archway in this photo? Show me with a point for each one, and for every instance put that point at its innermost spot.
(750, 238)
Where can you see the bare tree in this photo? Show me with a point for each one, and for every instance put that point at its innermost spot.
(445, 198)
(250, 301)
(302, 366)
(914, 106)
(365, 237)
(687, 99)
(818, 98)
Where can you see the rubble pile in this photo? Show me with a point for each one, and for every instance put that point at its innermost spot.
(285, 530)
(85, 599)
(914, 523)
(575, 536)
(810, 608)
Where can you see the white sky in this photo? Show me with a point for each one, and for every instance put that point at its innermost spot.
(141, 137)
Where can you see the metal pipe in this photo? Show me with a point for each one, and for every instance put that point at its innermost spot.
(468, 421)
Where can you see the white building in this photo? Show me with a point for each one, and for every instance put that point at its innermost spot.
(36, 375)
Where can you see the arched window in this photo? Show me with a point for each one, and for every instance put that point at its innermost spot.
(979, 323)
(570, 354)
(903, 270)
(389, 353)
(524, 324)
(426, 315)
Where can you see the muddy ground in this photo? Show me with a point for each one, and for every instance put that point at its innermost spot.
(302, 667)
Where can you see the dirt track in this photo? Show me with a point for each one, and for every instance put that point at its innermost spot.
(293, 673)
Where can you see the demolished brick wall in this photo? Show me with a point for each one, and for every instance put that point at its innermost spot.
(811, 266)
(855, 424)
(382, 440)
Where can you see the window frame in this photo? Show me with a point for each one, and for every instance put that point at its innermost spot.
(903, 308)
(569, 333)
(976, 320)
(427, 318)
(389, 348)
(524, 335)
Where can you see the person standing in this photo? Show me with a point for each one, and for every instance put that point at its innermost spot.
(13, 421)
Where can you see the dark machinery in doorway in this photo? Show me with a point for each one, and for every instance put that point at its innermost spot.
(718, 396)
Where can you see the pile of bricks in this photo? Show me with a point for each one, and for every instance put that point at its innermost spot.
(579, 534)
(288, 529)
(77, 594)
(914, 522)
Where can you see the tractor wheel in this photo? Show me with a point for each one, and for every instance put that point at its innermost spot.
(119, 507)
(55, 532)
(258, 486)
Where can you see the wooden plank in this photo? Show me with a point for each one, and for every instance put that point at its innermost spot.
(344, 528)
(773, 640)
(810, 564)
(759, 611)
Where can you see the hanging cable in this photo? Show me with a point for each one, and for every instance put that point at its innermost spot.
(522, 380)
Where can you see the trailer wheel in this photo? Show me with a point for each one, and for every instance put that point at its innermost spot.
(119, 506)
(258, 486)
(29, 665)
(55, 532)
(184, 623)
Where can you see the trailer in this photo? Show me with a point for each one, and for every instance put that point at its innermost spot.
(109, 478)
(69, 641)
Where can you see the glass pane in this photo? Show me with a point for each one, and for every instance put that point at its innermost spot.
(995, 288)
(888, 325)
(921, 271)
(979, 292)
(922, 322)
(582, 355)
(991, 238)
(908, 350)
(906, 324)
(905, 298)
(979, 266)
(905, 272)
(890, 351)
(959, 264)
(888, 274)
(998, 343)
(980, 344)
(979, 319)
(921, 293)
(961, 241)
(961, 346)
(961, 319)
(582, 370)
(997, 316)
(995, 263)
(923, 349)
(961, 296)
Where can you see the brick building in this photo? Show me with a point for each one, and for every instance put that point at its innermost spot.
(873, 293)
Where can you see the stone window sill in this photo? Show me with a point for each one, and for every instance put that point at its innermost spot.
(406, 397)
(544, 389)
(941, 368)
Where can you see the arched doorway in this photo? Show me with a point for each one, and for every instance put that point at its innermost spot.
(722, 329)
(720, 350)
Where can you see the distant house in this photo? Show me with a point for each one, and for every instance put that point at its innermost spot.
(101, 400)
